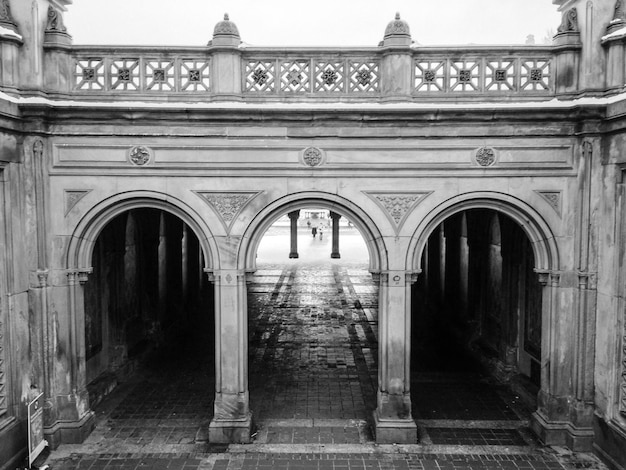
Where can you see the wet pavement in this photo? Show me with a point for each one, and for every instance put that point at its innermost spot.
(313, 372)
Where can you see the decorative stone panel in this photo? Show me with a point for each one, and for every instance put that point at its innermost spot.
(500, 75)
(397, 205)
(72, 197)
(364, 76)
(295, 76)
(261, 76)
(553, 198)
(535, 74)
(227, 205)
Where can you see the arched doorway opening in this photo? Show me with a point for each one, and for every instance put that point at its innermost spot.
(313, 325)
(144, 319)
(477, 329)
(147, 295)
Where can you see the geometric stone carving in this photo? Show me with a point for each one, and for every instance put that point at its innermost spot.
(553, 198)
(72, 198)
(312, 156)
(227, 204)
(485, 156)
(398, 205)
(139, 155)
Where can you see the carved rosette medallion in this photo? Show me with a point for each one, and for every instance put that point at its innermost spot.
(553, 198)
(485, 156)
(312, 156)
(397, 206)
(227, 204)
(139, 155)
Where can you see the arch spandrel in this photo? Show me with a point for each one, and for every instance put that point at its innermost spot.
(370, 232)
(94, 220)
(535, 227)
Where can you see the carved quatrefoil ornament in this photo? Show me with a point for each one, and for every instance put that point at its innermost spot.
(139, 155)
(313, 156)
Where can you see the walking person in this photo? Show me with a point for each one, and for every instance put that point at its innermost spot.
(314, 231)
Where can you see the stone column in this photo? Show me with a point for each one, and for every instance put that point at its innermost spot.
(232, 419)
(335, 221)
(293, 218)
(392, 418)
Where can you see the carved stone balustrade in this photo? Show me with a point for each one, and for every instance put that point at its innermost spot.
(326, 74)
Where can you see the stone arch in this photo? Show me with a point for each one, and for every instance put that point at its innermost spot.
(86, 233)
(264, 219)
(545, 248)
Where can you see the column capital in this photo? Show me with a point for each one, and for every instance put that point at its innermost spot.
(334, 215)
(546, 276)
(294, 214)
(226, 276)
(397, 277)
(79, 274)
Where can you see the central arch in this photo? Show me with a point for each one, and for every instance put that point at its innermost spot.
(264, 219)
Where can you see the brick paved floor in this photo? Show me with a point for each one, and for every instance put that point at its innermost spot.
(313, 371)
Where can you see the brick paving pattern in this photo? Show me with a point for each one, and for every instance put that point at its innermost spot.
(313, 375)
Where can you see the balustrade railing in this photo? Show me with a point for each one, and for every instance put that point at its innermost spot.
(316, 73)
(500, 72)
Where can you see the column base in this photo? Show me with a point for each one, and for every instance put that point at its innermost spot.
(70, 432)
(335, 255)
(293, 255)
(395, 431)
(231, 431)
(562, 433)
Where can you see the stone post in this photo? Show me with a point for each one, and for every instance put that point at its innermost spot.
(397, 62)
(232, 419)
(613, 43)
(567, 48)
(293, 219)
(226, 61)
(335, 221)
(57, 59)
(392, 418)
(10, 44)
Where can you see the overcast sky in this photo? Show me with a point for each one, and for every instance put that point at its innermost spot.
(310, 22)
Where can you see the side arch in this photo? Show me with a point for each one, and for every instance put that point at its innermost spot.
(86, 233)
(545, 248)
(265, 218)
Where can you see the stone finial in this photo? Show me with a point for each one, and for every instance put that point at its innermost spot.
(56, 32)
(569, 22)
(226, 33)
(619, 17)
(620, 13)
(397, 33)
(6, 19)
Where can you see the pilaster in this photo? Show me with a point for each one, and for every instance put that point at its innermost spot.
(232, 421)
(392, 418)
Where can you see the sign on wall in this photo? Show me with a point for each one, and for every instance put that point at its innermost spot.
(36, 442)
